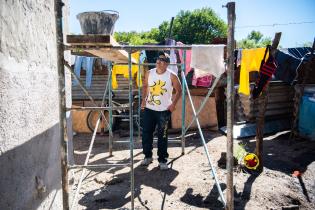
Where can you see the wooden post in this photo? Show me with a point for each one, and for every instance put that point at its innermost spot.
(262, 103)
(230, 105)
(62, 104)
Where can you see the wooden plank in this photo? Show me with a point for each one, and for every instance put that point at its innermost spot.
(99, 40)
(207, 117)
(90, 39)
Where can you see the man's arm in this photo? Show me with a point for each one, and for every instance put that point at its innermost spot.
(145, 86)
(178, 90)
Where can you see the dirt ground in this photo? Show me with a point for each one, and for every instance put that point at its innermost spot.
(188, 184)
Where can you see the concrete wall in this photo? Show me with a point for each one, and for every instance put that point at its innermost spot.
(30, 176)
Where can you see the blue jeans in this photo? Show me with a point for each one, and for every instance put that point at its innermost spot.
(151, 119)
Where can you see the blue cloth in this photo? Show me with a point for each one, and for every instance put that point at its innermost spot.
(299, 52)
(89, 71)
(87, 64)
(77, 68)
(306, 117)
(288, 61)
(287, 65)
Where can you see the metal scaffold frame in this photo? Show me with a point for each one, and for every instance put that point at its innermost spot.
(64, 139)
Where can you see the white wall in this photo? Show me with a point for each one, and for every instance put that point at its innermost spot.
(29, 106)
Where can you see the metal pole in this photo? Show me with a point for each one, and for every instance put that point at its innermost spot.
(183, 102)
(90, 149)
(139, 100)
(230, 105)
(85, 164)
(110, 139)
(62, 104)
(203, 103)
(204, 143)
(131, 132)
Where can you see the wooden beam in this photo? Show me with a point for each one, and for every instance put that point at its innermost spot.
(90, 39)
(230, 106)
(101, 41)
(260, 121)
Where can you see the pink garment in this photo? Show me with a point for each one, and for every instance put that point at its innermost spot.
(204, 81)
(188, 57)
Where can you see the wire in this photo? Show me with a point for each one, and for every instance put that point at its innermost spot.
(276, 24)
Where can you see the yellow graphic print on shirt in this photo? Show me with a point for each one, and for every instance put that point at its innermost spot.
(156, 90)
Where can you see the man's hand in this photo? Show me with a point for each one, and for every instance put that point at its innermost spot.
(171, 107)
(142, 105)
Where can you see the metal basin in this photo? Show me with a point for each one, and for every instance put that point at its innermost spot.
(98, 22)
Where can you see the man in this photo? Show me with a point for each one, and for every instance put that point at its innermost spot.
(158, 103)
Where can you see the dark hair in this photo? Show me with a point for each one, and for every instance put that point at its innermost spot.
(167, 57)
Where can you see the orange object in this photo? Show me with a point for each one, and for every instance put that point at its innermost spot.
(296, 173)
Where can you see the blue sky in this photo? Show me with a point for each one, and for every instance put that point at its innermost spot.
(142, 15)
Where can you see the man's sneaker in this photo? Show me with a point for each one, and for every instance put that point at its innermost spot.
(163, 166)
(146, 161)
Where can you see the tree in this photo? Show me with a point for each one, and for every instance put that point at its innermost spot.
(190, 27)
(197, 27)
(254, 40)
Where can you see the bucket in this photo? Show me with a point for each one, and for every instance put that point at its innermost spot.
(98, 22)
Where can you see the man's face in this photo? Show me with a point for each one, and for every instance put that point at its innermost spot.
(161, 62)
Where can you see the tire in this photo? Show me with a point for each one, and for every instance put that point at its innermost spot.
(92, 119)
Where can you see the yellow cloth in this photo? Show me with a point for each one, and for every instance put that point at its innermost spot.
(123, 69)
(251, 60)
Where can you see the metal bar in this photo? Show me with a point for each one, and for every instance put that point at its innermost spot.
(124, 116)
(85, 164)
(90, 148)
(230, 105)
(139, 100)
(98, 166)
(131, 132)
(122, 90)
(110, 139)
(150, 64)
(87, 93)
(128, 47)
(96, 108)
(203, 103)
(204, 142)
(183, 102)
(62, 103)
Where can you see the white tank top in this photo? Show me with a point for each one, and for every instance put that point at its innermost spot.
(160, 90)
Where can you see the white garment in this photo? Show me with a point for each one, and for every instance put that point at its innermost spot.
(160, 90)
(173, 58)
(207, 59)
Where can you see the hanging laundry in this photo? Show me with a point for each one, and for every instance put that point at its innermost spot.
(267, 69)
(86, 63)
(238, 57)
(77, 68)
(288, 62)
(208, 59)
(143, 56)
(204, 81)
(251, 60)
(124, 70)
(173, 58)
(89, 71)
(188, 58)
(299, 52)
